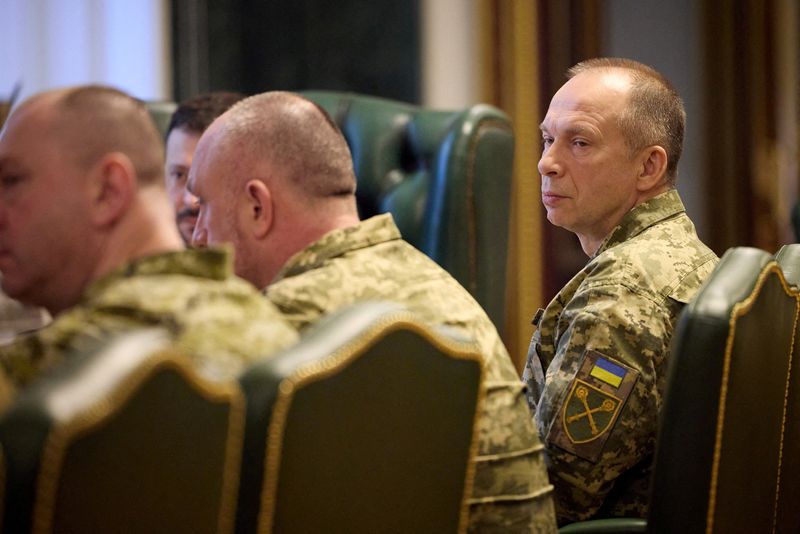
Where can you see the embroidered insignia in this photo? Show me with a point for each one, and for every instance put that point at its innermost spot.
(588, 412)
(592, 405)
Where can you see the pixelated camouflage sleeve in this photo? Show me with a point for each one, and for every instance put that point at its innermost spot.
(600, 401)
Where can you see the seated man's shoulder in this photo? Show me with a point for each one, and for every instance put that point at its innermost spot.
(649, 265)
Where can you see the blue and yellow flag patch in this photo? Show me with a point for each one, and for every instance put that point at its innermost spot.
(608, 372)
(592, 405)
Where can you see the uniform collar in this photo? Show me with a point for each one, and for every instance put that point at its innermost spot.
(657, 209)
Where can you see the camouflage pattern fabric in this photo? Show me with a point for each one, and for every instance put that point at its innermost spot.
(371, 261)
(604, 342)
(220, 320)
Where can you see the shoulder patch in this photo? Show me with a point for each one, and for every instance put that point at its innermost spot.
(592, 405)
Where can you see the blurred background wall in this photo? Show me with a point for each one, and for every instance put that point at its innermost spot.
(735, 62)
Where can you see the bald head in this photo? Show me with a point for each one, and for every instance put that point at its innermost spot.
(272, 175)
(92, 121)
(296, 139)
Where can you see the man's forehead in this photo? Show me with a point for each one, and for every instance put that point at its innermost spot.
(32, 117)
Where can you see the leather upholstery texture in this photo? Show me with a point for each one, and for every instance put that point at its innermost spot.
(729, 421)
(444, 175)
(124, 438)
(365, 426)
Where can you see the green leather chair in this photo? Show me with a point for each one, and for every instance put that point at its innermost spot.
(444, 175)
(788, 257)
(365, 426)
(726, 454)
(125, 438)
(723, 444)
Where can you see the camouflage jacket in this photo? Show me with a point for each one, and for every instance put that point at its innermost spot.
(371, 261)
(218, 319)
(604, 341)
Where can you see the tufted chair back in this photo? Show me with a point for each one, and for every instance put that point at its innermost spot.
(444, 175)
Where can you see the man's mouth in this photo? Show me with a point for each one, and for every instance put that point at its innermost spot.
(550, 199)
(187, 214)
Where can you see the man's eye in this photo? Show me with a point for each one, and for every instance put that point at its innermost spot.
(10, 180)
(580, 143)
(178, 176)
(547, 141)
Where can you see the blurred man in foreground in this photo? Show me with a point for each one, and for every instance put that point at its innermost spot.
(274, 177)
(86, 231)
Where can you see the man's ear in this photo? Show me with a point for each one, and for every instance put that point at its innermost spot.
(113, 188)
(653, 168)
(259, 207)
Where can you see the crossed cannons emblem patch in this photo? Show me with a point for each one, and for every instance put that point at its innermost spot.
(589, 412)
(592, 405)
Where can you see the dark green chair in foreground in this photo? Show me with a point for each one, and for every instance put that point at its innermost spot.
(725, 460)
(726, 456)
(444, 175)
(123, 438)
(365, 426)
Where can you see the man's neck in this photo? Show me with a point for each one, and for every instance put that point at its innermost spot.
(147, 228)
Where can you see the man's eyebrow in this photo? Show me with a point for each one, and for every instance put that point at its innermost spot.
(573, 129)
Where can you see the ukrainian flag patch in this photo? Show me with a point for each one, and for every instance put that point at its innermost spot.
(594, 403)
(608, 372)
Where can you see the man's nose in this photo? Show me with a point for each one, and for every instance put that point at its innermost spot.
(189, 200)
(549, 164)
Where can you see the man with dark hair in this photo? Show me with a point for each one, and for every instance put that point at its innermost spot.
(597, 363)
(86, 232)
(274, 176)
(187, 124)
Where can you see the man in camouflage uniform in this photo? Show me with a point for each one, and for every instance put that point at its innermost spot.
(275, 177)
(86, 231)
(612, 139)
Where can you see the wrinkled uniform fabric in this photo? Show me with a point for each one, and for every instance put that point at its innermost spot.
(219, 320)
(622, 308)
(371, 261)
